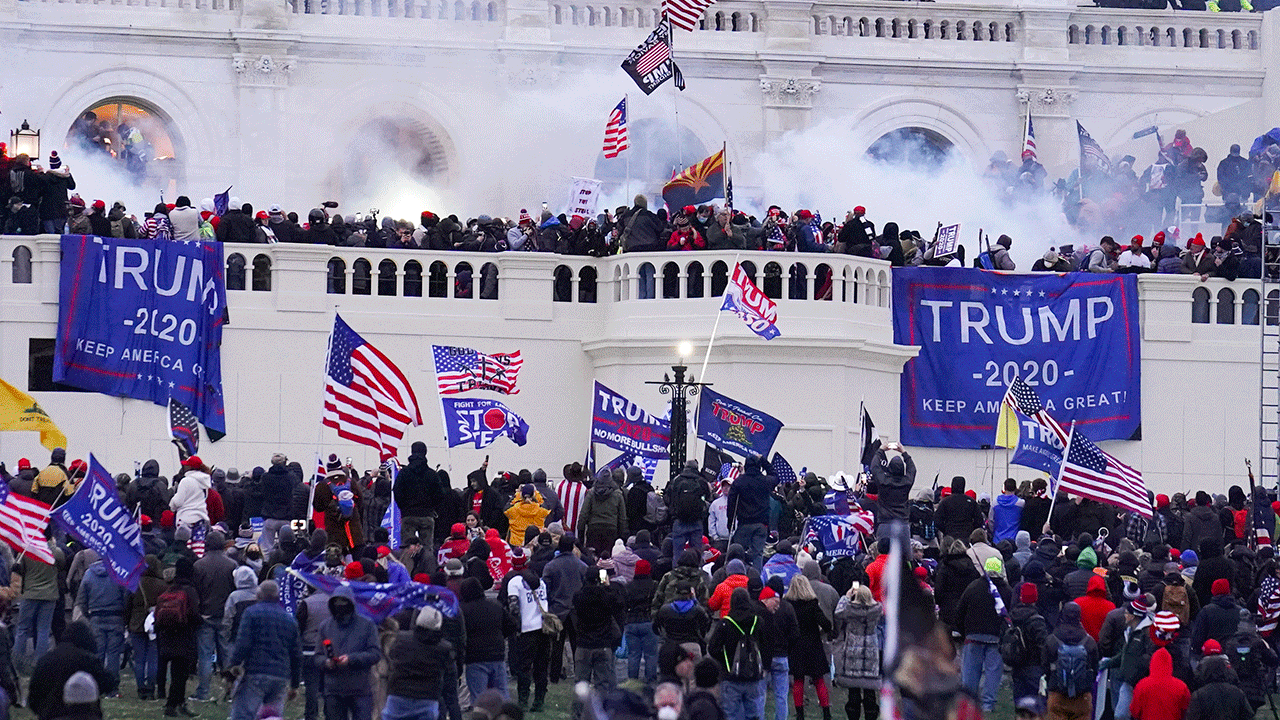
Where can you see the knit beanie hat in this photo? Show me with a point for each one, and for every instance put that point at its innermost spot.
(353, 571)
(1221, 586)
(1028, 594)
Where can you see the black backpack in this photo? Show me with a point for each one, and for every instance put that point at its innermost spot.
(747, 664)
(687, 501)
(237, 611)
(1013, 646)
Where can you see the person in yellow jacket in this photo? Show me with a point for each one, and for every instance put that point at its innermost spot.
(53, 481)
(525, 510)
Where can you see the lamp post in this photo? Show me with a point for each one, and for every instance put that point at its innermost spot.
(680, 390)
(25, 141)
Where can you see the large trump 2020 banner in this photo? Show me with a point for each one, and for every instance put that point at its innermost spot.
(143, 319)
(1074, 338)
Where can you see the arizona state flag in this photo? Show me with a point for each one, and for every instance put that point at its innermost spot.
(20, 411)
(697, 184)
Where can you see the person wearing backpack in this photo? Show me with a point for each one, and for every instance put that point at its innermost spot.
(177, 619)
(245, 594)
(149, 490)
(1026, 635)
(1253, 660)
(342, 501)
(138, 608)
(735, 645)
(689, 500)
(1070, 659)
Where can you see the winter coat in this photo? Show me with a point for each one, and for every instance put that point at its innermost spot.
(420, 660)
(895, 479)
(727, 635)
(808, 657)
(643, 231)
(857, 647)
(1219, 620)
(99, 595)
(1218, 698)
(1134, 660)
(150, 491)
(488, 626)
(604, 509)
(682, 621)
(1006, 517)
(214, 581)
(139, 604)
(522, 514)
(1068, 632)
(1035, 631)
(1035, 513)
(180, 641)
(563, 578)
(186, 223)
(719, 602)
(236, 227)
(1094, 606)
(1160, 695)
(957, 516)
(346, 531)
(418, 488)
(240, 599)
(277, 493)
(76, 651)
(357, 638)
(955, 573)
(598, 616)
(1253, 660)
(1212, 567)
(780, 565)
(976, 614)
(268, 643)
(637, 599)
(694, 576)
(1202, 523)
(749, 495)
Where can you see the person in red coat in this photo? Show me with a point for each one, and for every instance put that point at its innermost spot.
(1094, 606)
(1160, 695)
(875, 570)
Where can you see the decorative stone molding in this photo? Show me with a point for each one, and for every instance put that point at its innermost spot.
(789, 92)
(263, 70)
(1047, 101)
(527, 76)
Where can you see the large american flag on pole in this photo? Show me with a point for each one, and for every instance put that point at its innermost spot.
(460, 369)
(685, 14)
(366, 397)
(1090, 472)
(615, 132)
(22, 524)
(1029, 139)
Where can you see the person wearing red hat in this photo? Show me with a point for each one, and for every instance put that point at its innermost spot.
(858, 234)
(1026, 670)
(188, 501)
(642, 641)
(456, 546)
(1134, 258)
(1219, 696)
(1197, 260)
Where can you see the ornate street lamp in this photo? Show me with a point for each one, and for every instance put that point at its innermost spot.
(680, 390)
(25, 141)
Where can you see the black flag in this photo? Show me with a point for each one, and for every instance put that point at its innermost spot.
(677, 76)
(868, 436)
(650, 64)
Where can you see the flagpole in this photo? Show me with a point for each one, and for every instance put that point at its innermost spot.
(1058, 482)
(626, 193)
(724, 183)
(675, 97)
(714, 329)
(311, 497)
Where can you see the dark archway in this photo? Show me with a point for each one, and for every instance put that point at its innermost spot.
(138, 137)
(915, 146)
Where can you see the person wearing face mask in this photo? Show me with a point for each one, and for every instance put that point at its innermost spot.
(348, 647)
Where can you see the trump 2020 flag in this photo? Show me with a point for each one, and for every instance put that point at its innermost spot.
(744, 299)
(650, 63)
(96, 518)
(479, 422)
(379, 601)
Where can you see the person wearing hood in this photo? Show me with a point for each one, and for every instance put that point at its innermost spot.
(597, 618)
(1133, 657)
(1077, 581)
(981, 624)
(176, 638)
(980, 551)
(740, 689)
(351, 648)
(214, 584)
(1006, 512)
(562, 578)
(828, 596)
(102, 601)
(488, 626)
(683, 621)
(735, 578)
(81, 698)
(955, 573)
(637, 492)
(1022, 555)
(525, 510)
(1202, 523)
(530, 647)
(245, 595)
(857, 651)
(1094, 606)
(476, 563)
(688, 570)
(1124, 569)
(748, 506)
(149, 490)
(957, 515)
(138, 606)
(604, 513)
(52, 481)
(642, 641)
(1071, 659)
(894, 479)
(781, 564)
(421, 661)
(1160, 695)
(418, 492)
(688, 500)
(189, 497)
(269, 649)
(550, 499)
(1253, 660)
(1025, 675)
(1219, 697)
(484, 500)
(76, 652)
(1212, 567)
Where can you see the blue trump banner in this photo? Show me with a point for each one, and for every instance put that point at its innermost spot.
(379, 601)
(143, 319)
(481, 422)
(96, 518)
(623, 425)
(733, 427)
(1037, 447)
(1074, 338)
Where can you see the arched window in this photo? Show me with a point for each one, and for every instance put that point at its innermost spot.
(693, 285)
(1249, 307)
(438, 280)
(799, 278)
(749, 268)
(413, 279)
(587, 284)
(361, 277)
(1226, 307)
(617, 283)
(884, 293)
(387, 278)
(489, 281)
(1200, 306)
(463, 280)
(235, 269)
(846, 281)
(1073, 35)
(670, 280)
(719, 277)
(624, 280)
(773, 280)
(491, 12)
(22, 266)
(337, 284)
(1273, 307)
(262, 273)
(562, 284)
(647, 273)
(822, 289)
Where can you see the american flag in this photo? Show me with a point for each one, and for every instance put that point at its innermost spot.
(656, 55)
(685, 14)
(367, 399)
(615, 133)
(572, 494)
(1090, 472)
(729, 471)
(461, 369)
(184, 429)
(1022, 398)
(1268, 606)
(22, 524)
(196, 543)
(782, 470)
(839, 535)
(1091, 154)
(1029, 138)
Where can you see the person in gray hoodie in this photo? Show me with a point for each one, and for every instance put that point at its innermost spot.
(245, 594)
(348, 648)
(1023, 553)
(102, 601)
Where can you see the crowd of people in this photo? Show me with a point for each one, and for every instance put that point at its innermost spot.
(711, 587)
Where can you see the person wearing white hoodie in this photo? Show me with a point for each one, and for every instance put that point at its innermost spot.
(188, 502)
(185, 220)
(245, 594)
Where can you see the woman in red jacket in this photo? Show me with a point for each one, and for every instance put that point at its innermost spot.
(1160, 695)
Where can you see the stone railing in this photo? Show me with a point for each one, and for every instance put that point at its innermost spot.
(455, 10)
(206, 6)
(917, 21)
(1169, 29)
(721, 17)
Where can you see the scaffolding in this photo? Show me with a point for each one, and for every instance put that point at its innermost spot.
(1269, 367)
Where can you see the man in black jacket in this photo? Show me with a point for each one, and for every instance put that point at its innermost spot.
(597, 617)
(689, 499)
(749, 505)
(895, 478)
(277, 500)
(981, 623)
(235, 226)
(958, 514)
(418, 492)
(643, 231)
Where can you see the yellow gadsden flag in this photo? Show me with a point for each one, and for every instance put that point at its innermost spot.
(20, 411)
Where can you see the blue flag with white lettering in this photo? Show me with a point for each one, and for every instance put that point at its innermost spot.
(1038, 447)
(96, 518)
(735, 427)
(143, 319)
(479, 422)
(1075, 338)
(623, 425)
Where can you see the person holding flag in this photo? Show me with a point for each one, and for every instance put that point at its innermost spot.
(894, 478)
